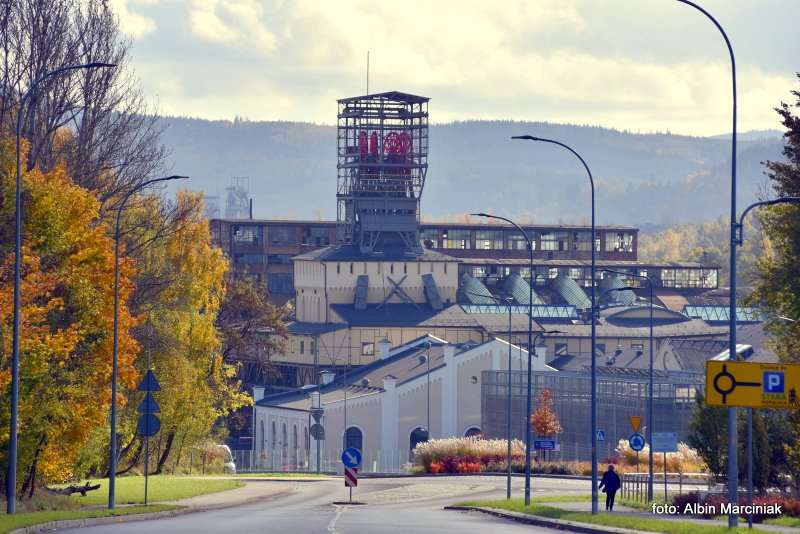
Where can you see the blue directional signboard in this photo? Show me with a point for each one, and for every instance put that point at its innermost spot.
(351, 457)
(544, 444)
(636, 441)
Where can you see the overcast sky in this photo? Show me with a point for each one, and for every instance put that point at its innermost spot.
(641, 65)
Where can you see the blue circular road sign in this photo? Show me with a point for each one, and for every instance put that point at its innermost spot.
(636, 441)
(351, 457)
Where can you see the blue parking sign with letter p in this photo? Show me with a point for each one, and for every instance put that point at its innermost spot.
(773, 382)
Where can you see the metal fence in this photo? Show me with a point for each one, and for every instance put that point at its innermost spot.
(621, 393)
(634, 485)
(305, 461)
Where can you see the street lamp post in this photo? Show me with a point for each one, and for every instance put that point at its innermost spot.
(529, 403)
(733, 468)
(112, 460)
(738, 228)
(11, 478)
(650, 422)
(508, 302)
(593, 313)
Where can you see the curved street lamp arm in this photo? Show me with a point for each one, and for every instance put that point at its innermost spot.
(138, 188)
(739, 226)
(559, 143)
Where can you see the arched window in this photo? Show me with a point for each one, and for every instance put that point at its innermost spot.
(353, 438)
(294, 437)
(473, 432)
(307, 438)
(418, 435)
(274, 437)
(285, 440)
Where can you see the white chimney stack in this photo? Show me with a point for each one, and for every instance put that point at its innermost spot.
(327, 377)
(384, 347)
(258, 393)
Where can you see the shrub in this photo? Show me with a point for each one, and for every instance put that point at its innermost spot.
(686, 460)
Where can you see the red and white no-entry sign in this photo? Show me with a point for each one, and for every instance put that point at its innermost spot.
(350, 477)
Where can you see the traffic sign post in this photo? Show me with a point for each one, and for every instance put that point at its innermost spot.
(636, 441)
(664, 442)
(601, 435)
(545, 444)
(752, 384)
(351, 479)
(149, 424)
(636, 422)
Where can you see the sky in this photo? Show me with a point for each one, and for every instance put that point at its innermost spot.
(637, 65)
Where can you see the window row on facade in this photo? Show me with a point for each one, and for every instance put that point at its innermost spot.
(562, 241)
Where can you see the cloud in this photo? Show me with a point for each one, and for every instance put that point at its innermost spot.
(232, 22)
(635, 67)
(133, 24)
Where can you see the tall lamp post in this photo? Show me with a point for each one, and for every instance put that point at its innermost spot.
(11, 478)
(593, 314)
(529, 403)
(733, 468)
(508, 301)
(112, 453)
(650, 422)
(738, 240)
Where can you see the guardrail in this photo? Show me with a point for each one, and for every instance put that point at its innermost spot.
(634, 485)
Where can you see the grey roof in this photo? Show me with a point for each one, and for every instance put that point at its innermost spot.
(300, 328)
(571, 292)
(520, 289)
(474, 291)
(403, 364)
(614, 282)
(523, 262)
(352, 253)
(693, 327)
(397, 96)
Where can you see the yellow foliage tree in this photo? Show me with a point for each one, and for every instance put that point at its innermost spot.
(66, 321)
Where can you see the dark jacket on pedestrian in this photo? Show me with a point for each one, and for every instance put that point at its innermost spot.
(610, 482)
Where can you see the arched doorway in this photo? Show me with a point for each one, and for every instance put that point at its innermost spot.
(354, 438)
(418, 435)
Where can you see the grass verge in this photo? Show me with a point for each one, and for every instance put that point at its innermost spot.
(620, 520)
(130, 490)
(785, 521)
(12, 522)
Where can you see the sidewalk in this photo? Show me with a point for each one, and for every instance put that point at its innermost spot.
(620, 510)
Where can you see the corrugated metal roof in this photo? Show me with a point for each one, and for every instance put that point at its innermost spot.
(474, 291)
(608, 283)
(571, 292)
(518, 287)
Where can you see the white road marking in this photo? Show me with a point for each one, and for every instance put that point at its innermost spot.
(332, 524)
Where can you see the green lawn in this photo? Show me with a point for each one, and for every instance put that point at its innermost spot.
(621, 520)
(11, 522)
(130, 490)
(785, 521)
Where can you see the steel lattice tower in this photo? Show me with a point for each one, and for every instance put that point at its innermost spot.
(382, 150)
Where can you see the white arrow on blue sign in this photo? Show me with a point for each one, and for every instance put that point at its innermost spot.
(351, 457)
(636, 441)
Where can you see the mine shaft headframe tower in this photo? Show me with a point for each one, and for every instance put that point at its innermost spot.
(382, 150)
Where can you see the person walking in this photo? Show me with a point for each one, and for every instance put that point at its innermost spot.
(609, 484)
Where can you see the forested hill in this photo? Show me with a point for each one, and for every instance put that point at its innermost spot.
(645, 180)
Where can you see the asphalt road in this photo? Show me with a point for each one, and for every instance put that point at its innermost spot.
(393, 506)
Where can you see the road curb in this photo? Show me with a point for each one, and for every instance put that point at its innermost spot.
(539, 521)
(129, 518)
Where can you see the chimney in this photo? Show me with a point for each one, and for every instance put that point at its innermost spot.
(389, 382)
(258, 393)
(384, 347)
(326, 377)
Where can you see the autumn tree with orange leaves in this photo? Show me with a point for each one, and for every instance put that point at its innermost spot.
(544, 419)
(66, 321)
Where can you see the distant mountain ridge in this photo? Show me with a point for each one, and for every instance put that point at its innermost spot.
(647, 180)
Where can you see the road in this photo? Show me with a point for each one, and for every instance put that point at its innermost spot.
(393, 506)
